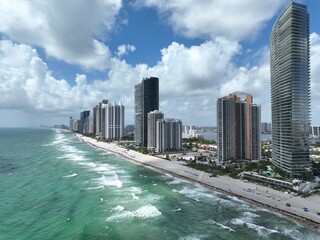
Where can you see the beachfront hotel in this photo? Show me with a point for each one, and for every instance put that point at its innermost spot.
(146, 99)
(152, 133)
(290, 90)
(168, 135)
(112, 116)
(97, 119)
(238, 128)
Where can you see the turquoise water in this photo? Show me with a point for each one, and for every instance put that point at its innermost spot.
(53, 186)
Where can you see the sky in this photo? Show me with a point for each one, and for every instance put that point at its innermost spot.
(58, 58)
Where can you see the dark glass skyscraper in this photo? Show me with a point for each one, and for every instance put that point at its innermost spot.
(83, 116)
(290, 90)
(146, 98)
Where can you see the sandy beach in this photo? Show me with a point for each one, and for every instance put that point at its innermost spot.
(256, 194)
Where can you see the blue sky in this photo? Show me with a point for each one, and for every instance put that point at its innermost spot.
(58, 58)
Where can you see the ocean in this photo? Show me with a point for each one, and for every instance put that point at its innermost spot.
(54, 186)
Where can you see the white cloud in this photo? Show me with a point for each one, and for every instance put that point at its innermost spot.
(233, 19)
(315, 77)
(71, 30)
(195, 70)
(125, 49)
(191, 80)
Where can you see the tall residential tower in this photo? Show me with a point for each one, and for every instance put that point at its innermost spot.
(146, 99)
(290, 90)
(238, 122)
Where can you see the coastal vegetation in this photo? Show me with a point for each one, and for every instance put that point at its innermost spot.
(194, 142)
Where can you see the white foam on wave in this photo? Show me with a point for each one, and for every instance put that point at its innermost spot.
(176, 210)
(102, 167)
(148, 211)
(94, 188)
(192, 237)
(59, 139)
(236, 199)
(261, 230)
(118, 208)
(111, 179)
(71, 175)
(73, 156)
(136, 190)
(211, 221)
(177, 181)
(247, 217)
(198, 194)
(144, 212)
(297, 235)
(88, 164)
(134, 196)
(120, 216)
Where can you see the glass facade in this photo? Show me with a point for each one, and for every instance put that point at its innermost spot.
(146, 100)
(290, 90)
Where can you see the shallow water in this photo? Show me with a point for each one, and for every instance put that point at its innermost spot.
(53, 186)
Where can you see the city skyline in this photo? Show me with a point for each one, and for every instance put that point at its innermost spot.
(47, 74)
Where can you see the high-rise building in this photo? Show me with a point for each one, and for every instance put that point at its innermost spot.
(70, 123)
(97, 118)
(88, 125)
(146, 100)
(152, 130)
(238, 126)
(112, 121)
(266, 128)
(94, 119)
(168, 135)
(315, 131)
(290, 90)
(83, 116)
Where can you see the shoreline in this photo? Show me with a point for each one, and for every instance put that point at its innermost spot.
(224, 185)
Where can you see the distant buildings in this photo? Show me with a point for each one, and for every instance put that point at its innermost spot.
(106, 121)
(315, 131)
(146, 99)
(238, 128)
(290, 90)
(189, 132)
(266, 128)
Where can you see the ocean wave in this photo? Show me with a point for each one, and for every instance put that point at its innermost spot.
(192, 237)
(136, 190)
(102, 167)
(148, 211)
(261, 230)
(134, 196)
(94, 188)
(176, 210)
(111, 179)
(71, 175)
(144, 212)
(88, 164)
(73, 156)
(177, 181)
(211, 221)
(199, 194)
(118, 208)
